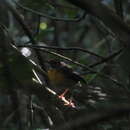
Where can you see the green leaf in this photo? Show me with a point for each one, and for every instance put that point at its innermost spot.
(90, 77)
(43, 26)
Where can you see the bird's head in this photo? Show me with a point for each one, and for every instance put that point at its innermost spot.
(54, 63)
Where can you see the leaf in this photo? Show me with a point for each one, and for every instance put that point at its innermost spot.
(43, 26)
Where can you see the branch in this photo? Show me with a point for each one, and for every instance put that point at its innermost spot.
(107, 16)
(64, 49)
(25, 28)
(85, 119)
(50, 17)
(107, 58)
(79, 64)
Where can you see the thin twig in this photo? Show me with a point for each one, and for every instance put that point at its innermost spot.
(79, 64)
(64, 49)
(60, 5)
(107, 58)
(101, 114)
(26, 30)
(50, 17)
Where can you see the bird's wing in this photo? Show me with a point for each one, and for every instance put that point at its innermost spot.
(70, 73)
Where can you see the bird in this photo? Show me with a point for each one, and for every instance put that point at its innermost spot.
(63, 78)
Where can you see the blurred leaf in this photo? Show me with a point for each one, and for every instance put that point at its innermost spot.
(43, 26)
(90, 77)
(71, 13)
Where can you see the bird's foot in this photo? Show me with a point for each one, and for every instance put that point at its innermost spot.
(63, 94)
(68, 102)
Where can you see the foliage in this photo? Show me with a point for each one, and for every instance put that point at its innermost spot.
(62, 31)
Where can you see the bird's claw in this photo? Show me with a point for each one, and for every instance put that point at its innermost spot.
(68, 102)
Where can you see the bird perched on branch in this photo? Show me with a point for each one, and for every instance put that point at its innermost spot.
(62, 77)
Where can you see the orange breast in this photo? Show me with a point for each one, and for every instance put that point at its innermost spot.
(55, 77)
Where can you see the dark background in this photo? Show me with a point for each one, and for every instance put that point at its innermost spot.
(91, 36)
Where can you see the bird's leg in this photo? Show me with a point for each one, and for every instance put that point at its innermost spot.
(63, 94)
(70, 103)
(67, 102)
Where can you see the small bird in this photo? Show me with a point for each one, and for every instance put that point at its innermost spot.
(62, 77)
